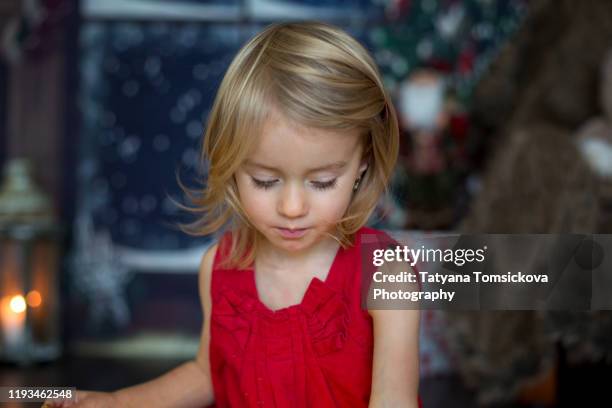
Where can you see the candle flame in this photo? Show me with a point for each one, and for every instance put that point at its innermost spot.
(17, 304)
(33, 298)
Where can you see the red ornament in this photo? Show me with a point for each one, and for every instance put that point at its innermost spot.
(465, 62)
(459, 125)
(398, 9)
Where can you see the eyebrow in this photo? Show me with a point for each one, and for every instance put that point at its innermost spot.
(333, 166)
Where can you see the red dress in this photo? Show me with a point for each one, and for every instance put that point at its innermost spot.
(317, 353)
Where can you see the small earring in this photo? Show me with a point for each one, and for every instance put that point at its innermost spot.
(356, 185)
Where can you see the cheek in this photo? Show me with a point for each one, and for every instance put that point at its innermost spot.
(333, 207)
(252, 200)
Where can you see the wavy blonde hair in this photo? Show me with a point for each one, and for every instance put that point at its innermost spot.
(316, 75)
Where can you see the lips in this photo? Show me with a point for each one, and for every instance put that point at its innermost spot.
(291, 233)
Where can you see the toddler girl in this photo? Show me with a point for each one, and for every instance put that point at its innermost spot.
(301, 142)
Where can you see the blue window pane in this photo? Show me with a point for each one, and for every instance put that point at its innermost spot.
(146, 90)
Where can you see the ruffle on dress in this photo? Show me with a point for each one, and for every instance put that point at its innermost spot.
(323, 313)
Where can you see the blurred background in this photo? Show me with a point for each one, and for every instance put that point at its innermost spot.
(506, 117)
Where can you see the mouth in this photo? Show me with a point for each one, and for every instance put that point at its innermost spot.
(291, 232)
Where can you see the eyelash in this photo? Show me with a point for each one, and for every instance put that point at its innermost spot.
(319, 185)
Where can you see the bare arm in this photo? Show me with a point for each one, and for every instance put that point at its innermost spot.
(185, 386)
(188, 385)
(395, 370)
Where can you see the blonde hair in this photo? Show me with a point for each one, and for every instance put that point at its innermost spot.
(316, 75)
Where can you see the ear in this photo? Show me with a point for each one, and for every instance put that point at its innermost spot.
(366, 155)
(363, 166)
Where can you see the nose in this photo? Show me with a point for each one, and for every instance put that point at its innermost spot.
(293, 202)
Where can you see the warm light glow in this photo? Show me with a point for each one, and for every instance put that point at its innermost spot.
(12, 320)
(18, 304)
(33, 298)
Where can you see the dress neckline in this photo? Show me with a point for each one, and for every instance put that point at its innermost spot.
(292, 308)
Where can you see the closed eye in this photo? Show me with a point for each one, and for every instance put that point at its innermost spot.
(263, 184)
(324, 185)
(319, 185)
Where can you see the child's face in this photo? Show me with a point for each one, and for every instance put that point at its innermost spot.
(299, 178)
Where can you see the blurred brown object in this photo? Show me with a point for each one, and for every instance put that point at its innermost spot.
(543, 86)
